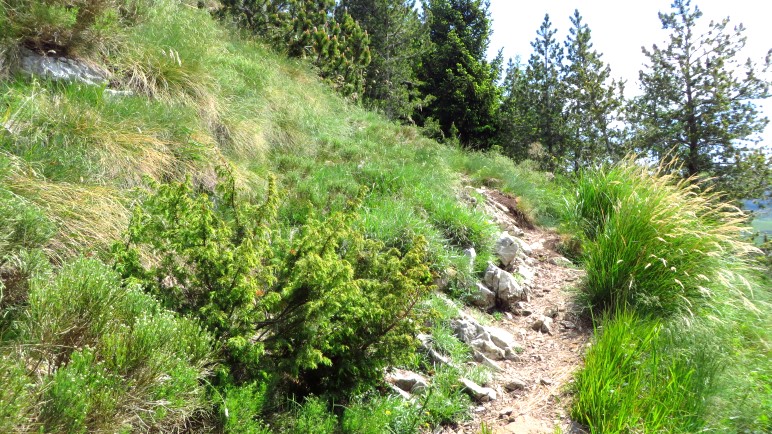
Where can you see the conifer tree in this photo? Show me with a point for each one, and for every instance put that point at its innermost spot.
(698, 99)
(592, 102)
(315, 29)
(398, 39)
(548, 98)
(517, 118)
(456, 75)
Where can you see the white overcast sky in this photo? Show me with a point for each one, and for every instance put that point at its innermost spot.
(620, 28)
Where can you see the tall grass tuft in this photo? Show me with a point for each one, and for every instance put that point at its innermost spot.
(84, 216)
(638, 377)
(656, 241)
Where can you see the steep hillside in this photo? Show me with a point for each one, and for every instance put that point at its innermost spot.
(197, 234)
(201, 96)
(178, 96)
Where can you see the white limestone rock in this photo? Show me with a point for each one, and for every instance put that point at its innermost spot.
(477, 392)
(408, 381)
(60, 68)
(506, 249)
(483, 297)
(508, 291)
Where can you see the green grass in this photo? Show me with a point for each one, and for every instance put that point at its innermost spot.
(637, 378)
(656, 242)
(682, 339)
(102, 357)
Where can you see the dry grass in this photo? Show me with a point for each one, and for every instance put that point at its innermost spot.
(659, 241)
(88, 218)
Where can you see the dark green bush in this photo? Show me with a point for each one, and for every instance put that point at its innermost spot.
(347, 308)
(329, 307)
(210, 259)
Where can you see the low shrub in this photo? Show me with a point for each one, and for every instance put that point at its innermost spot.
(328, 307)
(347, 308)
(208, 257)
(106, 357)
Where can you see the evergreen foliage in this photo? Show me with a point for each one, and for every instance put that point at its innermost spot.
(592, 101)
(347, 305)
(698, 99)
(547, 98)
(319, 30)
(559, 109)
(456, 74)
(330, 311)
(516, 117)
(398, 39)
(211, 259)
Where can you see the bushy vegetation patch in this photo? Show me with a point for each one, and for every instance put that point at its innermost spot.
(657, 242)
(88, 354)
(326, 307)
(657, 246)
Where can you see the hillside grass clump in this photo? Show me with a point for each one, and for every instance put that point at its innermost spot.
(59, 26)
(86, 353)
(679, 308)
(636, 378)
(658, 242)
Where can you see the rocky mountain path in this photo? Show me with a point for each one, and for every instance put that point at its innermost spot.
(533, 390)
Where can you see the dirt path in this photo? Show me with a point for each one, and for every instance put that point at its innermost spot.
(547, 364)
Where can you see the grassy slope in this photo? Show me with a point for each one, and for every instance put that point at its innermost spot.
(205, 96)
(221, 98)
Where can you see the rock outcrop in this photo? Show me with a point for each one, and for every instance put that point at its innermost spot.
(477, 392)
(506, 249)
(60, 68)
(491, 342)
(508, 291)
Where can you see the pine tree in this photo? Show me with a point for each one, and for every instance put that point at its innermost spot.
(698, 100)
(398, 39)
(315, 29)
(517, 117)
(592, 102)
(456, 74)
(547, 94)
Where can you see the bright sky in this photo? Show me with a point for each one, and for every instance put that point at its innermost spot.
(621, 28)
